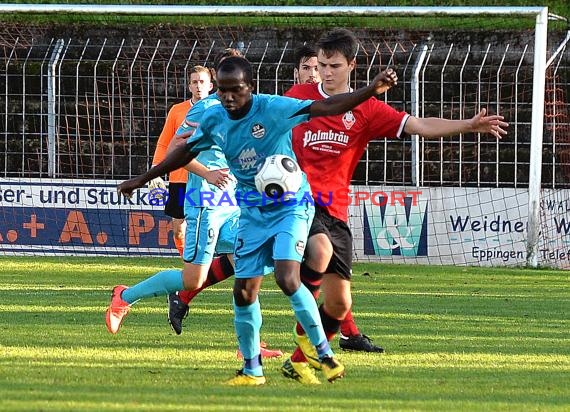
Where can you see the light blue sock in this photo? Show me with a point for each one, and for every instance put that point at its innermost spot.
(247, 322)
(307, 313)
(161, 284)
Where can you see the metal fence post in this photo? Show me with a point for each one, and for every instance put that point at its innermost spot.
(415, 110)
(51, 112)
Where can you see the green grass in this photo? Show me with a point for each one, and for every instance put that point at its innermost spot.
(456, 339)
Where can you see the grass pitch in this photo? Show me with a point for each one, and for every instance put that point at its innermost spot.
(456, 339)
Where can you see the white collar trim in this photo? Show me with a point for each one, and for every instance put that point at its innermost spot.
(325, 94)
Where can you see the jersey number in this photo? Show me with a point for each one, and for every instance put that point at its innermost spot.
(239, 246)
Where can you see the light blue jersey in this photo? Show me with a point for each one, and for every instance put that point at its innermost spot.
(199, 193)
(211, 214)
(246, 142)
(196, 112)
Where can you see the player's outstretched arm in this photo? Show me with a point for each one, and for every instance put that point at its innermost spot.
(433, 127)
(176, 159)
(341, 103)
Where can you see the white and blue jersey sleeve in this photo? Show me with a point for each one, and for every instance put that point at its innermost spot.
(195, 115)
(199, 192)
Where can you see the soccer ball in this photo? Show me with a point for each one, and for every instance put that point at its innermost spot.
(277, 175)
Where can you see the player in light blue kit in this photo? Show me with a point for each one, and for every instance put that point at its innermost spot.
(248, 128)
(210, 231)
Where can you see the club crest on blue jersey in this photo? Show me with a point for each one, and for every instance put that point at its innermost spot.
(258, 131)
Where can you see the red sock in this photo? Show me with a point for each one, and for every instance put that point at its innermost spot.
(186, 295)
(220, 269)
(348, 327)
(298, 356)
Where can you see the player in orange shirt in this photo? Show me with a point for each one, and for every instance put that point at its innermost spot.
(200, 86)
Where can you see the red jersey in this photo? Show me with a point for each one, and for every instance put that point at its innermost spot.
(328, 148)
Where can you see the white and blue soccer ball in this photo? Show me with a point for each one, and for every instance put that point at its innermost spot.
(278, 175)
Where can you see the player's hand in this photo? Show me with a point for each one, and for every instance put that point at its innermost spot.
(220, 178)
(129, 186)
(495, 124)
(158, 187)
(385, 80)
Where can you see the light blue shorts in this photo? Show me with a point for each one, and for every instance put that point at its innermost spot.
(269, 233)
(209, 230)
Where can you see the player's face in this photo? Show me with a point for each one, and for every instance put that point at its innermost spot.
(308, 71)
(234, 92)
(200, 85)
(335, 72)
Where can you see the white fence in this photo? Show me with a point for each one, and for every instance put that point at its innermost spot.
(85, 103)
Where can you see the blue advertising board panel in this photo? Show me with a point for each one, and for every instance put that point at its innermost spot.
(80, 217)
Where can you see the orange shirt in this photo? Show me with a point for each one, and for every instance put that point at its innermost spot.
(174, 119)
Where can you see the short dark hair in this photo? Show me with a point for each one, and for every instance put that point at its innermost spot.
(304, 53)
(231, 64)
(339, 40)
(225, 53)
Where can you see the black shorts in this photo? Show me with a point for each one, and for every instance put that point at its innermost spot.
(174, 206)
(340, 236)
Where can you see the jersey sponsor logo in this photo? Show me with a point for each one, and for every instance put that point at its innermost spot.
(328, 137)
(348, 119)
(247, 159)
(258, 131)
(396, 229)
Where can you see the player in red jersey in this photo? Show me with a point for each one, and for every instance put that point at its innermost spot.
(306, 65)
(328, 150)
(306, 71)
